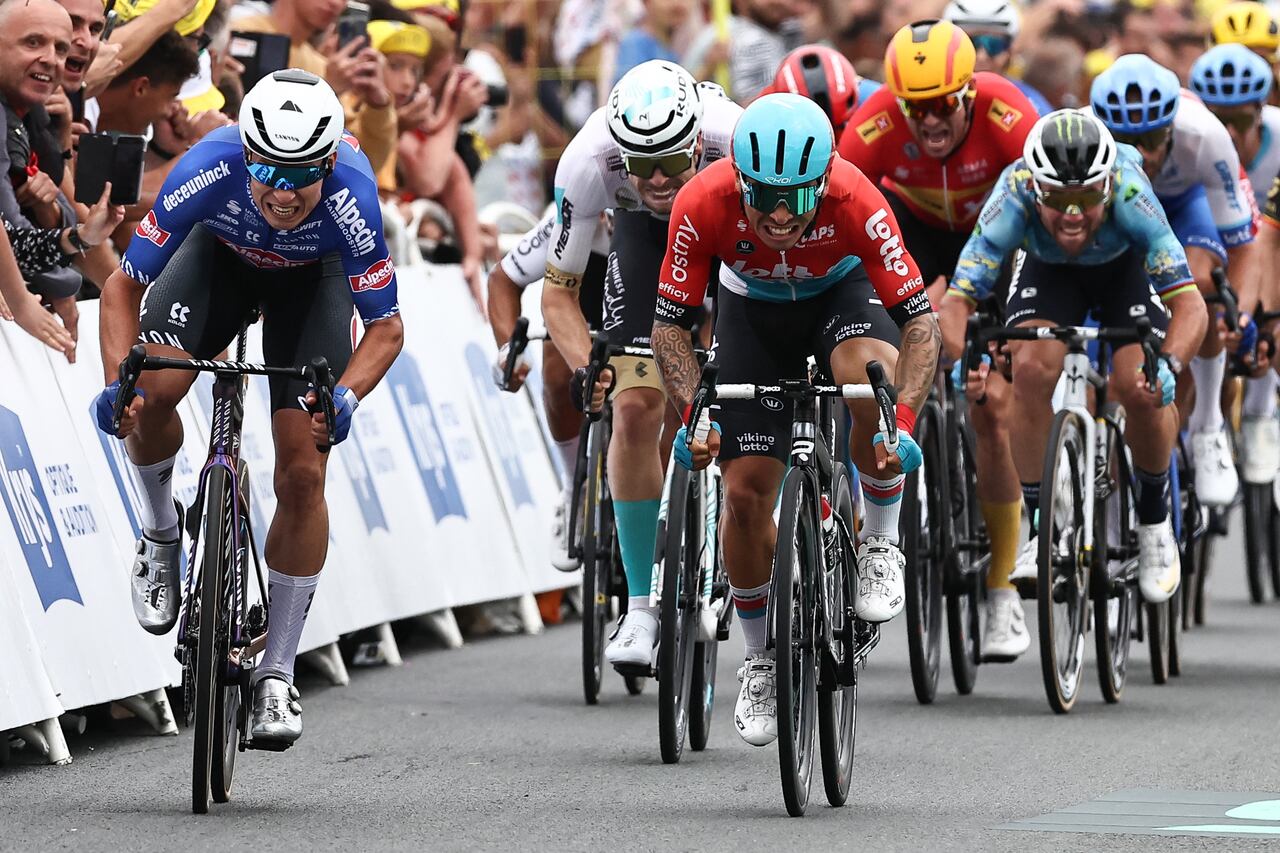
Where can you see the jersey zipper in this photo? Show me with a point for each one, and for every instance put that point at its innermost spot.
(790, 281)
(946, 197)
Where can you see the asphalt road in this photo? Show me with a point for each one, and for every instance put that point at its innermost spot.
(491, 746)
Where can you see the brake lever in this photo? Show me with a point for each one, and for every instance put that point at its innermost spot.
(515, 348)
(1150, 364)
(131, 367)
(887, 399)
(700, 410)
(1227, 296)
(321, 379)
(599, 359)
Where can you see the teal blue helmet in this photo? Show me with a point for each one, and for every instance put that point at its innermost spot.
(783, 140)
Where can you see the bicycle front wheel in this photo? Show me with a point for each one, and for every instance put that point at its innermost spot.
(1115, 597)
(1063, 590)
(704, 661)
(924, 512)
(212, 643)
(1257, 536)
(962, 573)
(678, 618)
(596, 563)
(838, 702)
(792, 601)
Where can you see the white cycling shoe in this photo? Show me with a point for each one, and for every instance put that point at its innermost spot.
(756, 713)
(1216, 478)
(560, 537)
(1260, 448)
(277, 712)
(1159, 564)
(1004, 636)
(633, 645)
(881, 589)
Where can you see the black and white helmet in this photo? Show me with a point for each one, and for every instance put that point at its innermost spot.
(985, 14)
(1069, 148)
(291, 117)
(655, 109)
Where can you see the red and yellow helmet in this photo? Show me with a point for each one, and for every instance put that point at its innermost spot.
(928, 59)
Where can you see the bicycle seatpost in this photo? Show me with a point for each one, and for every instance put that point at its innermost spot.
(515, 348)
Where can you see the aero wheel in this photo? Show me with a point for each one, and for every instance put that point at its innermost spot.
(924, 511)
(791, 600)
(228, 708)
(678, 617)
(962, 575)
(1114, 597)
(211, 645)
(838, 703)
(1257, 518)
(1063, 587)
(596, 564)
(704, 660)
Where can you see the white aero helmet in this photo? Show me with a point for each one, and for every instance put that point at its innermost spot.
(291, 117)
(989, 14)
(655, 109)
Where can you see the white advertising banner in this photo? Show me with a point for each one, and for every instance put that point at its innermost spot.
(25, 692)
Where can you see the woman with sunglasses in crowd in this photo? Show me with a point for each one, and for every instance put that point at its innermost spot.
(935, 139)
(1094, 240)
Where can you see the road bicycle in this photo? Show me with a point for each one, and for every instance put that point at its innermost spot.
(219, 631)
(818, 642)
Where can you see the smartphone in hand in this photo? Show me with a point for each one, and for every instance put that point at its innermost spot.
(117, 158)
(353, 23)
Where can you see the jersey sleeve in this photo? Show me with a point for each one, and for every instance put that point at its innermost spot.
(579, 198)
(366, 260)
(526, 263)
(876, 238)
(686, 268)
(1000, 229)
(198, 182)
(1219, 169)
(1141, 217)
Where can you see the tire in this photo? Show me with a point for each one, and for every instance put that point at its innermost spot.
(791, 600)
(838, 706)
(1257, 518)
(1113, 526)
(1063, 587)
(596, 563)
(704, 661)
(229, 711)
(964, 591)
(210, 644)
(1273, 545)
(1159, 629)
(1204, 559)
(1175, 651)
(678, 612)
(925, 511)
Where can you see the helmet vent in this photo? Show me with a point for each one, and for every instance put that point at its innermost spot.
(779, 159)
(290, 105)
(755, 152)
(804, 155)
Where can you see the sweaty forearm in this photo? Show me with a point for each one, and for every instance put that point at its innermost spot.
(373, 357)
(918, 359)
(563, 315)
(118, 321)
(1187, 325)
(504, 305)
(673, 350)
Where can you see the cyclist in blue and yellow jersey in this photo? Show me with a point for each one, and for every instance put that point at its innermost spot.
(1095, 239)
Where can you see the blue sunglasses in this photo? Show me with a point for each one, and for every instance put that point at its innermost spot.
(287, 177)
(994, 45)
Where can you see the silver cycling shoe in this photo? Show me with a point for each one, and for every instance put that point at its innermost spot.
(277, 713)
(156, 583)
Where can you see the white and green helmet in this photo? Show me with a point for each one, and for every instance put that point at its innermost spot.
(655, 109)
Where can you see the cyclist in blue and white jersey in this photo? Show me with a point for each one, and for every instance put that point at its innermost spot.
(1234, 83)
(1094, 239)
(279, 214)
(992, 25)
(1196, 173)
(658, 129)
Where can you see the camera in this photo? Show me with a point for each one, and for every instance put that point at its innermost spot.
(499, 95)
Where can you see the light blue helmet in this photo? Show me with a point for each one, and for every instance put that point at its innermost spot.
(1230, 75)
(783, 140)
(1135, 95)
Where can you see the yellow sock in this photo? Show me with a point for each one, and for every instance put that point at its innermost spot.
(1003, 523)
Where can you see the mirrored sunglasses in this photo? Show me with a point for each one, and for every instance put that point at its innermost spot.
(1080, 198)
(766, 197)
(1151, 140)
(942, 106)
(669, 164)
(287, 177)
(994, 45)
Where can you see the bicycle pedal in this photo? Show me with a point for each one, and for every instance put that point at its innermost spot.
(635, 670)
(1026, 588)
(268, 745)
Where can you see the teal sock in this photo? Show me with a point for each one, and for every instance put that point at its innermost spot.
(637, 531)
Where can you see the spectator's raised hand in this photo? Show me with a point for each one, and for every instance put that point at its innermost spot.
(33, 319)
(104, 68)
(38, 189)
(202, 124)
(368, 81)
(58, 106)
(344, 63)
(102, 219)
(418, 111)
(472, 94)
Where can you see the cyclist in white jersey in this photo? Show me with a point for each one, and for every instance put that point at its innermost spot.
(521, 267)
(1234, 82)
(633, 154)
(1196, 173)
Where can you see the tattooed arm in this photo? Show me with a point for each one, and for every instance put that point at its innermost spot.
(918, 359)
(673, 350)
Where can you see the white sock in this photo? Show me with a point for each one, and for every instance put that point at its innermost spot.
(882, 503)
(568, 450)
(1206, 415)
(1260, 396)
(290, 601)
(155, 483)
(640, 602)
(752, 605)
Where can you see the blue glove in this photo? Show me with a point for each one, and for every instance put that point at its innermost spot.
(909, 453)
(958, 377)
(1248, 340)
(105, 405)
(345, 403)
(684, 456)
(1168, 382)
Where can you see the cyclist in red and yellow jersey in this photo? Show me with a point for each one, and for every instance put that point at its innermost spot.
(936, 139)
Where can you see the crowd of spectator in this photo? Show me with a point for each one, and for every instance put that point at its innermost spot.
(455, 103)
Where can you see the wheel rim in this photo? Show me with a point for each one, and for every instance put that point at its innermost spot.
(1069, 571)
(802, 686)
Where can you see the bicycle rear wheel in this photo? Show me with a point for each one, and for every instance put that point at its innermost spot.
(838, 702)
(1063, 587)
(1257, 536)
(962, 575)
(1114, 597)
(924, 512)
(678, 619)
(792, 602)
(212, 643)
(596, 563)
